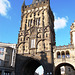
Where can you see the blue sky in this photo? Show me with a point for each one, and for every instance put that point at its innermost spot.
(10, 19)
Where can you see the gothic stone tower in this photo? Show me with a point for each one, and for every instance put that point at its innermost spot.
(36, 38)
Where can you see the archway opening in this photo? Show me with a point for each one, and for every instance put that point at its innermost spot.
(30, 66)
(39, 70)
(64, 69)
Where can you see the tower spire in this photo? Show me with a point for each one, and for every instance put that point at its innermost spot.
(23, 6)
(24, 2)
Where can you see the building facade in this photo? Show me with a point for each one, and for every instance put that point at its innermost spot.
(36, 37)
(7, 58)
(65, 55)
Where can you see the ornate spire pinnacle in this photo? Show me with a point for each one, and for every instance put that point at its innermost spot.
(24, 2)
(23, 6)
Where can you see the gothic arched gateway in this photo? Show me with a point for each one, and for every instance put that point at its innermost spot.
(27, 65)
(36, 38)
(58, 68)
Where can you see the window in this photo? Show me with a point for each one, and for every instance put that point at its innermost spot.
(69, 69)
(25, 27)
(39, 21)
(46, 35)
(36, 21)
(32, 43)
(58, 55)
(28, 23)
(26, 38)
(1, 51)
(21, 39)
(26, 20)
(34, 14)
(67, 54)
(43, 18)
(23, 47)
(38, 13)
(63, 55)
(43, 12)
(0, 62)
(30, 15)
(40, 36)
(26, 16)
(31, 21)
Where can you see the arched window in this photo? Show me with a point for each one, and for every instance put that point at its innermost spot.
(32, 43)
(43, 12)
(39, 21)
(58, 55)
(38, 13)
(26, 16)
(26, 20)
(34, 13)
(63, 54)
(30, 15)
(31, 22)
(46, 35)
(25, 27)
(67, 54)
(20, 39)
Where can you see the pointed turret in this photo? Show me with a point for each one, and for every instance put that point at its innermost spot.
(72, 33)
(23, 6)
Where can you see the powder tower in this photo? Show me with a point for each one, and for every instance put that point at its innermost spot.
(36, 38)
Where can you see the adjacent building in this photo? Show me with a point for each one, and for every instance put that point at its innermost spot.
(7, 58)
(64, 56)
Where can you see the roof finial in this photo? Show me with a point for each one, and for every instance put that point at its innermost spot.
(24, 2)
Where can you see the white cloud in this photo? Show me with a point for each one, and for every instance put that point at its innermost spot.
(60, 22)
(4, 6)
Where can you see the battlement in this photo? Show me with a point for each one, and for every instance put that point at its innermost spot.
(37, 4)
(63, 47)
